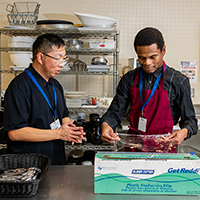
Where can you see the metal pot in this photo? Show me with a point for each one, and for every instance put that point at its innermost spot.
(99, 61)
(55, 24)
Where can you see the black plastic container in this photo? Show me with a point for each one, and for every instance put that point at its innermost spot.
(92, 115)
(95, 134)
(86, 128)
(21, 189)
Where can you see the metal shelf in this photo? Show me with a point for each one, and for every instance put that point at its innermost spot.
(9, 71)
(70, 72)
(6, 49)
(86, 73)
(65, 33)
(83, 51)
(90, 51)
(89, 146)
(89, 110)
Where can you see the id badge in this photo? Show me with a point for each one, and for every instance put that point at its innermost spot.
(55, 124)
(142, 124)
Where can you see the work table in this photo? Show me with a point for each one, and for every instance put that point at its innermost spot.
(76, 182)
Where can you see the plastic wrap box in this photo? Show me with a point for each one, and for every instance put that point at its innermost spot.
(147, 173)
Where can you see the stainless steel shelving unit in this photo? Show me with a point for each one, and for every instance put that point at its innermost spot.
(89, 146)
(76, 34)
(84, 147)
(89, 110)
(83, 51)
(62, 32)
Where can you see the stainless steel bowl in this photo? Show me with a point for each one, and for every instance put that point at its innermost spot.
(74, 44)
(99, 61)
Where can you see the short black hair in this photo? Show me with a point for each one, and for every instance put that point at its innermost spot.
(45, 42)
(149, 36)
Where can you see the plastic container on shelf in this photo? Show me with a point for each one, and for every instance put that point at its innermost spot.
(102, 45)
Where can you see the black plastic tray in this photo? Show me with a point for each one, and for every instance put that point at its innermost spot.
(22, 189)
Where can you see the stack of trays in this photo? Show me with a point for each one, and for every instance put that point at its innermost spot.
(73, 103)
(85, 100)
(98, 68)
(73, 98)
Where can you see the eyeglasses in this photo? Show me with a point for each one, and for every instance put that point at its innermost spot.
(59, 61)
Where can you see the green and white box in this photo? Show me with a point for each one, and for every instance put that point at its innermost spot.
(147, 173)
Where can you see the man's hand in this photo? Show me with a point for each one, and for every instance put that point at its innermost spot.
(178, 136)
(107, 133)
(69, 132)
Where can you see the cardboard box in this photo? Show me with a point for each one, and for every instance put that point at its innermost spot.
(147, 173)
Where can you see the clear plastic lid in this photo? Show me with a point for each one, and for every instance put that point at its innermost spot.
(145, 143)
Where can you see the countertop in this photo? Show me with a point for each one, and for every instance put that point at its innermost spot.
(77, 183)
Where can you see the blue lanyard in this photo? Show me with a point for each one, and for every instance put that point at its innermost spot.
(43, 93)
(152, 91)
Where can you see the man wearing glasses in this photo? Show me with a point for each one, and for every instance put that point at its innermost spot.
(36, 116)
